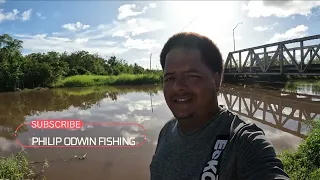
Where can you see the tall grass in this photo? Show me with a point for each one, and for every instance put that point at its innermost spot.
(17, 166)
(123, 79)
(304, 163)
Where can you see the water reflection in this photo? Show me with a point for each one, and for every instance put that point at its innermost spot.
(288, 113)
(104, 104)
(282, 115)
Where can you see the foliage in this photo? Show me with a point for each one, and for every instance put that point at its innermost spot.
(46, 69)
(298, 85)
(304, 163)
(123, 79)
(17, 166)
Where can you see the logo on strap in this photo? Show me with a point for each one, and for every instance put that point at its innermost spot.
(211, 170)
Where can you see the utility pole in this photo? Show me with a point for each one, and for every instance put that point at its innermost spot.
(234, 41)
(150, 60)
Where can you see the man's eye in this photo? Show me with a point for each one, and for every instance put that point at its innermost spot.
(194, 76)
(168, 79)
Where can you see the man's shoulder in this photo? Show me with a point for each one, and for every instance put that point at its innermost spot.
(169, 126)
(236, 125)
(232, 123)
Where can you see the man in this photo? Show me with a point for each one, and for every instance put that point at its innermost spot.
(205, 140)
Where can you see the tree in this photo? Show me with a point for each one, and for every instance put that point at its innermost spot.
(44, 69)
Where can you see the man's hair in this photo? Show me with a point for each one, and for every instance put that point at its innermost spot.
(210, 53)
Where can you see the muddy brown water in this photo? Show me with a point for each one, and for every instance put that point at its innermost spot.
(282, 114)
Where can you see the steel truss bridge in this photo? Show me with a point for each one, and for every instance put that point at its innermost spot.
(287, 112)
(292, 57)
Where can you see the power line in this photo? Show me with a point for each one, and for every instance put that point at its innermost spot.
(192, 20)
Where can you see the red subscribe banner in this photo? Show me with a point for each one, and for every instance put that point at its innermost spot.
(41, 139)
(56, 124)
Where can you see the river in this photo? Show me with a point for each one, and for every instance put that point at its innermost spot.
(282, 113)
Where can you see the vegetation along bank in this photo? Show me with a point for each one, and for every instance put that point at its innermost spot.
(55, 69)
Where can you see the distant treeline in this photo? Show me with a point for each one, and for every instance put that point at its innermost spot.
(45, 69)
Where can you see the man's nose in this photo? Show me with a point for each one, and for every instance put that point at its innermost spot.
(180, 84)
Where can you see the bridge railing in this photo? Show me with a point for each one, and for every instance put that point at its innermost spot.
(277, 58)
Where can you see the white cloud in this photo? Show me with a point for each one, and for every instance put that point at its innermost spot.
(152, 5)
(45, 43)
(14, 15)
(265, 27)
(127, 10)
(139, 105)
(125, 29)
(141, 44)
(40, 15)
(59, 39)
(26, 15)
(30, 36)
(260, 28)
(9, 16)
(141, 34)
(102, 39)
(296, 32)
(135, 27)
(279, 8)
(102, 43)
(2, 1)
(81, 40)
(75, 26)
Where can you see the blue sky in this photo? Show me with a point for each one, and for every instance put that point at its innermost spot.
(131, 30)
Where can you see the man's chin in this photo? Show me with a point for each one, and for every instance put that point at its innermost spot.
(182, 116)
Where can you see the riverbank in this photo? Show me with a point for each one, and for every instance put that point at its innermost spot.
(306, 81)
(143, 79)
(304, 162)
(122, 79)
(17, 166)
(98, 80)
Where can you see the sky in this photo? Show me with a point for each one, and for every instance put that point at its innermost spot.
(133, 30)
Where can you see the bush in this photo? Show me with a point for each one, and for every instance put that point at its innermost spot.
(304, 163)
(17, 167)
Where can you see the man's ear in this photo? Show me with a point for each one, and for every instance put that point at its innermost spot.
(217, 80)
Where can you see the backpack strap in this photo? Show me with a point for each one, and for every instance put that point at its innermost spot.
(232, 127)
(211, 170)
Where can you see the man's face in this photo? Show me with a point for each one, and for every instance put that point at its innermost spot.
(190, 88)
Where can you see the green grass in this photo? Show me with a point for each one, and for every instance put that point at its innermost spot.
(123, 79)
(17, 167)
(304, 163)
(310, 85)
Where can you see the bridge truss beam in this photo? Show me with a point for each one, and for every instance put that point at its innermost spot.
(278, 60)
